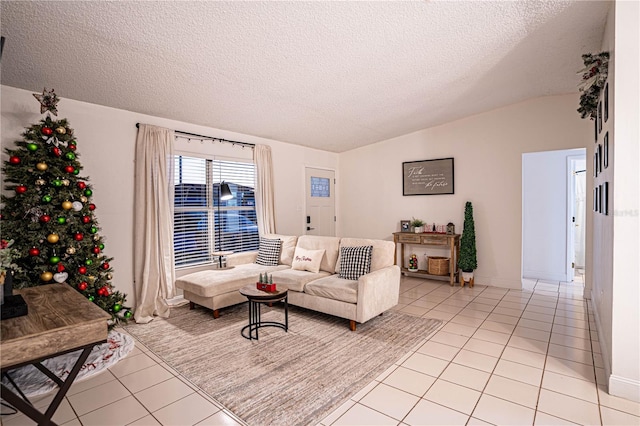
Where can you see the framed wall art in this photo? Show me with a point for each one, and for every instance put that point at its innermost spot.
(605, 150)
(599, 117)
(428, 177)
(405, 226)
(606, 102)
(605, 198)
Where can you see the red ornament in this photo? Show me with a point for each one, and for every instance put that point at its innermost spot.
(21, 189)
(105, 265)
(92, 206)
(86, 219)
(69, 169)
(96, 250)
(72, 146)
(82, 270)
(104, 291)
(45, 218)
(78, 236)
(56, 151)
(14, 160)
(82, 286)
(34, 251)
(47, 131)
(60, 267)
(82, 185)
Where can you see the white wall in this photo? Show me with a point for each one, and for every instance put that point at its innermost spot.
(544, 214)
(106, 145)
(487, 150)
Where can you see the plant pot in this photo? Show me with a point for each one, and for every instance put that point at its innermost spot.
(418, 229)
(466, 277)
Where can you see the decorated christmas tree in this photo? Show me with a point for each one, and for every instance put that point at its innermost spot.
(50, 216)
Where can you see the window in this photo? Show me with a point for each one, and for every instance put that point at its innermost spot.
(202, 222)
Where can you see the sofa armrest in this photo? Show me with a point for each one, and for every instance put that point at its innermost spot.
(378, 291)
(242, 258)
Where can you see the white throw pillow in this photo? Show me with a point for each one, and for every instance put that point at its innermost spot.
(307, 260)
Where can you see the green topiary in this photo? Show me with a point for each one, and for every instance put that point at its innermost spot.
(468, 261)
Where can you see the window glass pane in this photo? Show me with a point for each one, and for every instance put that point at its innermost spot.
(319, 187)
(191, 237)
(190, 178)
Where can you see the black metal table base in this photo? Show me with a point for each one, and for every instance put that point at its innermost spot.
(22, 403)
(250, 331)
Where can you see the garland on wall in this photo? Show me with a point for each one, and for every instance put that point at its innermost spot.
(594, 76)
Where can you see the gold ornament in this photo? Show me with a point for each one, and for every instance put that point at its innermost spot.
(96, 238)
(42, 166)
(53, 238)
(61, 130)
(84, 199)
(67, 205)
(109, 276)
(40, 182)
(65, 182)
(46, 276)
(71, 250)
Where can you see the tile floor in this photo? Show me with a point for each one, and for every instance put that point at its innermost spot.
(503, 357)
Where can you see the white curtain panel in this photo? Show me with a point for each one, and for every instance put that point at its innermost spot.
(264, 190)
(154, 272)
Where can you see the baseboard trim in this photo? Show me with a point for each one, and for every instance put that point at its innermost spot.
(624, 388)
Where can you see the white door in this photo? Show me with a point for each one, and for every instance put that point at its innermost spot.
(320, 218)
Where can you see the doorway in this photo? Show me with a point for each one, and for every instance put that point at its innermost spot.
(320, 215)
(577, 190)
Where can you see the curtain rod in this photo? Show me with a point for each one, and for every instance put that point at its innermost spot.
(195, 135)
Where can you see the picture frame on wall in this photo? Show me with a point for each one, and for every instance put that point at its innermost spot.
(595, 164)
(605, 150)
(405, 226)
(428, 177)
(599, 116)
(596, 201)
(605, 198)
(595, 131)
(606, 102)
(599, 158)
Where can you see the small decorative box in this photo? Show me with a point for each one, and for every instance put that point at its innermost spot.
(266, 287)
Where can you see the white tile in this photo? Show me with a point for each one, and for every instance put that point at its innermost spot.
(565, 352)
(364, 391)
(425, 364)
(361, 415)
(219, 419)
(186, 411)
(619, 418)
(438, 350)
(338, 412)
(465, 376)
(74, 422)
(481, 307)
(528, 344)
(544, 419)
(535, 316)
(499, 327)
(453, 396)
(386, 373)
(91, 382)
(121, 412)
(520, 372)
(429, 413)
(132, 364)
(410, 381)
(455, 301)
(163, 394)
(147, 420)
(449, 339)
(414, 310)
(468, 321)
(541, 310)
(570, 386)
(571, 331)
(501, 310)
(440, 315)
(476, 360)
(532, 359)
(460, 329)
(530, 333)
(145, 378)
(390, 401)
(511, 303)
(536, 325)
(97, 397)
(571, 341)
(484, 347)
(567, 367)
(491, 336)
(424, 304)
(619, 404)
(477, 422)
(507, 319)
(487, 301)
(447, 308)
(500, 412)
(473, 313)
(568, 408)
(512, 390)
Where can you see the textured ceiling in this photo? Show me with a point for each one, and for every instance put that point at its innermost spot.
(330, 75)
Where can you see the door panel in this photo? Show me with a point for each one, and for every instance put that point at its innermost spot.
(320, 202)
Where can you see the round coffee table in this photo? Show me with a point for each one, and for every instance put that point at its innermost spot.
(256, 298)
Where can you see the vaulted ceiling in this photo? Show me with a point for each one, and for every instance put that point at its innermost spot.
(330, 75)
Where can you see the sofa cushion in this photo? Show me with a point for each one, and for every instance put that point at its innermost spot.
(355, 262)
(211, 283)
(381, 256)
(269, 252)
(296, 280)
(330, 245)
(307, 260)
(288, 246)
(333, 287)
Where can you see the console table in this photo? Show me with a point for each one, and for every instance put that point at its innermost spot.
(429, 239)
(60, 320)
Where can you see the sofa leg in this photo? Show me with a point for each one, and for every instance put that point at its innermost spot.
(192, 306)
(216, 314)
(352, 325)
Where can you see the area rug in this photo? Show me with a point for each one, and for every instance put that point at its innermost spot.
(32, 381)
(285, 378)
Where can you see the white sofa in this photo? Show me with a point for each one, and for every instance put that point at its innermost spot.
(324, 291)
